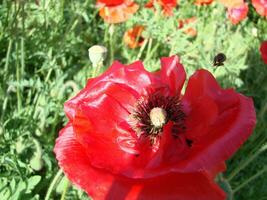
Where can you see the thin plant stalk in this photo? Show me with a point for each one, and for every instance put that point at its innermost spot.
(150, 40)
(8, 55)
(111, 42)
(67, 186)
(246, 162)
(259, 173)
(19, 102)
(142, 49)
(53, 184)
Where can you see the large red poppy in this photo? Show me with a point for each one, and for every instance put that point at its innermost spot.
(132, 134)
(238, 14)
(116, 11)
(166, 5)
(263, 51)
(260, 6)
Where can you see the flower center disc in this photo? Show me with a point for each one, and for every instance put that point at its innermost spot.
(158, 117)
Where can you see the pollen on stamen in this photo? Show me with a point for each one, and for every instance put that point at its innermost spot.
(158, 117)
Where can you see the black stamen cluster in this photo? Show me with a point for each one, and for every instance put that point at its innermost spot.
(172, 106)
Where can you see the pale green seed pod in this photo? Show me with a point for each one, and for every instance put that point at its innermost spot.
(36, 163)
(97, 54)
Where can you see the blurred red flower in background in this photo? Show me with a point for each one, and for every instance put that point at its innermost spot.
(190, 30)
(238, 14)
(133, 37)
(116, 11)
(260, 6)
(132, 134)
(232, 3)
(263, 51)
(166, 5)
(203, 2)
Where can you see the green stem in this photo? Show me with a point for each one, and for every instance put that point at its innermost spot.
(19, 105)
(141, 49)
(65, 190)
(53, 184)
(96, 69)
(62, 8)
(22, 56)
(8, 55)
(22, 45)
(149, 55)
(250, 179)
(111, 46)
(149, 48)
(263, 110)
(247, 161)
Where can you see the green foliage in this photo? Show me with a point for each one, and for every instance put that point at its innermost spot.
(44, 62)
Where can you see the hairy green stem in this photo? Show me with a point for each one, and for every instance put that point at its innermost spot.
(19, 104)
(111, 42)
(247, 161)
(141, 49)
(96, 69)
(67, 186)
(53, 184)
(250, 179)
(8, 55)
(150, 40)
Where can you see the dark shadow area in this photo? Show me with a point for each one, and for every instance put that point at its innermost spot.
(255, 86)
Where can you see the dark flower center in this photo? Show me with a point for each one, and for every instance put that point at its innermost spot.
(151, 113)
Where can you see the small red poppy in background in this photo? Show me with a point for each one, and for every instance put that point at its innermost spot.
(260, 6)
(190, 30)
(203, 2)
(238, 14)
(263, 51)
(133, 37)
(132, 134)
(116, 11)
(166, 5)
(232, 3)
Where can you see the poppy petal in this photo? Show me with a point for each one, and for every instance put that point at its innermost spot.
(173, 74)
(119, 13)
(233, 125)
(100, 184)
(196, 128)
(263, 51)
(133, 76)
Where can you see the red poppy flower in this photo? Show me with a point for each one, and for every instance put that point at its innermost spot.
(132, 135)
(166, 5)
(263, 50)
(260, 6)
(191, 30)
(238, 14)
(232, 3)
(116, 11)
(203, 2)
(133, 37)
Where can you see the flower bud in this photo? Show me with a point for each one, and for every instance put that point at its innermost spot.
(97, 54)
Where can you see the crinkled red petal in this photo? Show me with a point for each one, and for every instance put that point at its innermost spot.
(101, 185)
(133, 76)
(233, 125)
(173, 74)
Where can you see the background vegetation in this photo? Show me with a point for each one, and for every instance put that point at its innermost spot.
(44, 61)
